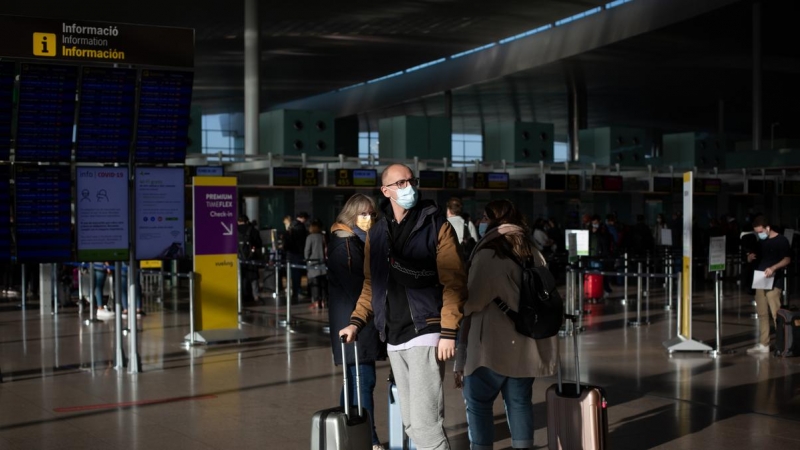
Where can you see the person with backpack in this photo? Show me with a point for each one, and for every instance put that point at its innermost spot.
(465, 230)
(249, 250)
(493, 357)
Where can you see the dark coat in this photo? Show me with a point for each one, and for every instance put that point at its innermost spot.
(345, 280)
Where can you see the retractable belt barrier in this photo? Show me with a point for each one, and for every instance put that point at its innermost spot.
(276, 266)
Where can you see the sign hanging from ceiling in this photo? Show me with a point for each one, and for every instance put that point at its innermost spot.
(71, 40)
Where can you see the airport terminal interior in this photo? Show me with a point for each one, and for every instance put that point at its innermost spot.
(133, 136)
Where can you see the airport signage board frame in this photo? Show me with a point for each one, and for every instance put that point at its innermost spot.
(82, 41)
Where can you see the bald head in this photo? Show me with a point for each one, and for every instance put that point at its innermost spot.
(394, 173)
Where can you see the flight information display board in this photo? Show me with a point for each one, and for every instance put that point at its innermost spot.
(761, 186)
(5, 213)
(452, 180)
(356, 178)
(791, 187)
(46, 112)
(493, 180)
(431, 179)
(105, 115)
(6, 108)
(607, 183)
(162, 132)
(707, 186)
(43, 196)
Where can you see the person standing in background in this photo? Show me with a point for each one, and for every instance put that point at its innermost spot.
(315, 261)
(294, 245)
(774, 255)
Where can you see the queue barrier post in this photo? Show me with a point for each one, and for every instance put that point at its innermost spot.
(625, 281)
(191, 307)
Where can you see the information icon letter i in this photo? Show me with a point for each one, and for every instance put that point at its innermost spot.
(44, 44)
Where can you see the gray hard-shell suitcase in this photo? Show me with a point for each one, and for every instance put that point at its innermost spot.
(337, 429)
(398, 439)
(577, 416)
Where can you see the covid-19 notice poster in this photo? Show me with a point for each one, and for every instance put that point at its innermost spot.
(159, 213)
(102, 213)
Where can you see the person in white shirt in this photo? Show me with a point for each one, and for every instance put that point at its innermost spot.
(454, 210)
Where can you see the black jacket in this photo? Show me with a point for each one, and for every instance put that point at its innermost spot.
(345, 280)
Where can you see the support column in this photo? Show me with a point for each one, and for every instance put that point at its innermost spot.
(251, 208)
(448, 106)
(576, 107)
(251, 77)
(46, 289)
(757, 76)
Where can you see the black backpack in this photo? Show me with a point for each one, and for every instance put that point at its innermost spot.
(541, 309)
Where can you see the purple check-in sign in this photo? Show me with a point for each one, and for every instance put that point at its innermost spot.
(215, 220)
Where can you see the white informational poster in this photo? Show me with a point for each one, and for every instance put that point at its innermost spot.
(159, 213)
(582, 237)
(716, 254)
(666, 237)
(760, 281)
(789, 233)
(102, 213)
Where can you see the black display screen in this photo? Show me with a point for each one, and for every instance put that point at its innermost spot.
(431, 179)
(46, 112)
(162, 131)
(791, 187)
(43, 196)
(555, 182)
(105, 115)
(286, 176)
(5, 213)
(761, 186)
(6, 108)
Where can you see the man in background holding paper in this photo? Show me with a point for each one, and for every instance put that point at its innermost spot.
(768, 278)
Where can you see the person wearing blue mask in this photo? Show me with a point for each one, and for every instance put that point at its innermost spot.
(345, 280)
(414, 292)
(774, 255)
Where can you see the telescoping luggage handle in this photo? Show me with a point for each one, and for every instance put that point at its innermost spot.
(358, 378)
(572, 318)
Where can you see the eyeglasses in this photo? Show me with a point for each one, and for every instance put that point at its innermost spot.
(401, 184)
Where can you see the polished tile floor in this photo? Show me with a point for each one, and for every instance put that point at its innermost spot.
(61, 390)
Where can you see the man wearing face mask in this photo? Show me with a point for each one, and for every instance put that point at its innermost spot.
(414, 291)
(774, 255)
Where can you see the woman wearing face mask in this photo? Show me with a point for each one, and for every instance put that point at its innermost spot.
(345, 279)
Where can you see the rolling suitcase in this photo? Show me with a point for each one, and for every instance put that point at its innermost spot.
(577, 416)
(787, 333)
(336, 428)
(592, 286)
(398, 439)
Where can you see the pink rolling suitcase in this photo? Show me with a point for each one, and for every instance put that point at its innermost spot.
(577, 416)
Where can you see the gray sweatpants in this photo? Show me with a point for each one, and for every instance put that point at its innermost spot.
(419, 378)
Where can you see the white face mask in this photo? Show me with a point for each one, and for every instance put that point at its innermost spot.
(364, 222)
(406, 197)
